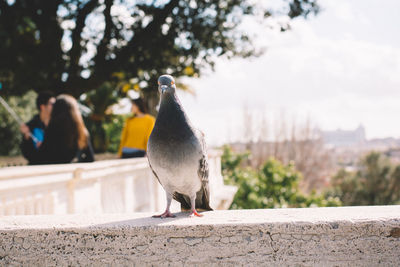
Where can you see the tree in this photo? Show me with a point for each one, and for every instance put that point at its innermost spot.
(273, 185)
(376, 182)
(76, 46)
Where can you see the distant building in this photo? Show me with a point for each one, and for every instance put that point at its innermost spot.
(344, 138)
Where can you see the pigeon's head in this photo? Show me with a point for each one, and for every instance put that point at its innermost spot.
(166, 83)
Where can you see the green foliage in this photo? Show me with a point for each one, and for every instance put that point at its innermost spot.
(376, 182)
(106, 134)
(10, 136)
(274, 185)
(99, 102)
(113, 130)
(231, 161)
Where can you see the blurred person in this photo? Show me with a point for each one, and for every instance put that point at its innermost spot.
(136, 131)
(66, 136)
(36, 126)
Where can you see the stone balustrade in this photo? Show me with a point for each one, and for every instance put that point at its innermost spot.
(346, 236)
(109, 186)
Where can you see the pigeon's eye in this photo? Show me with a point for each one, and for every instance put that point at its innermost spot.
(159, 83)
(172, 82)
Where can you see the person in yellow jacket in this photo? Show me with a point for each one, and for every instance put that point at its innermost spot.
(136, 131)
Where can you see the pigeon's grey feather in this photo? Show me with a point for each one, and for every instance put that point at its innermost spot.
(177, 153)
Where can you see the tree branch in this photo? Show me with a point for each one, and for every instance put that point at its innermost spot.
(158, 19)
(102, 73)
(76, 50)
(3, 5)
(102, 47)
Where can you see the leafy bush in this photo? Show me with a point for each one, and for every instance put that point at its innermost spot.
(106, 133)
(273, 185)
(376, 182)
(113, 129)
(10, 136)
(99, 101)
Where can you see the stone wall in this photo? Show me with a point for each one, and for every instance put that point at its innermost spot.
(348, 236)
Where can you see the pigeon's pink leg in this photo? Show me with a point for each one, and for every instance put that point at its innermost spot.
(166, 213)
(193, 205)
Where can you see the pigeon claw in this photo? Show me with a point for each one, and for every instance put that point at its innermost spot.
(195, 213)
(166, 214)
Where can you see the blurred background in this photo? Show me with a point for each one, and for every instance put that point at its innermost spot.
(300, 95)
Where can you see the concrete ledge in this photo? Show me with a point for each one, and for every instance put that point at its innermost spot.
(349, 236)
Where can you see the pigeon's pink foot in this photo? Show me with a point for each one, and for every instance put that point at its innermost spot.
(194, 213)
(166, 214)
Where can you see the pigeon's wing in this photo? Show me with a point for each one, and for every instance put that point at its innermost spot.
(203, 162)
(203, 195)
(203, 172)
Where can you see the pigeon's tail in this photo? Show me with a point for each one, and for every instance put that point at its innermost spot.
(204, 196)
(202, 202)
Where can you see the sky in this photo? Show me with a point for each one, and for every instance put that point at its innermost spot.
(340, 69)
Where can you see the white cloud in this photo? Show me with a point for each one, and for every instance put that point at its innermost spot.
(341, 9)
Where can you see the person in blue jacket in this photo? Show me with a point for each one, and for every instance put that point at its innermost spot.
(36, 127)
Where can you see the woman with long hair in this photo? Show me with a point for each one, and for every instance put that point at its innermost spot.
(66, 136)
(136, 131)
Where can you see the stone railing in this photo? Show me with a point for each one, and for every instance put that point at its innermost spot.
(110, 186)
(350, 236)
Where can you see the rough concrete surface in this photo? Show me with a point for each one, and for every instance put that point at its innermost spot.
(348, 236)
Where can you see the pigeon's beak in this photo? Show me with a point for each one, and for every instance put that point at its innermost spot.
(163, 88)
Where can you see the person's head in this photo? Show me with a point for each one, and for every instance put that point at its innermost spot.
(44, 103)
(66, 114)
(138, 106)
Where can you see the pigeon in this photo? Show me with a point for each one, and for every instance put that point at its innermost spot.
(177, 155)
